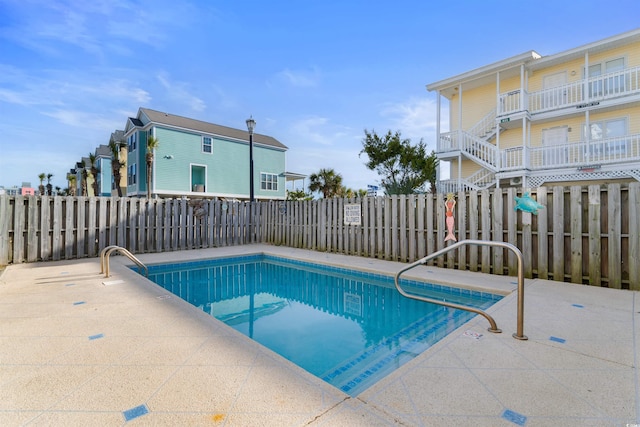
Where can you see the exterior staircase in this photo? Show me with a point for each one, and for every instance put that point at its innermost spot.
(475, 144)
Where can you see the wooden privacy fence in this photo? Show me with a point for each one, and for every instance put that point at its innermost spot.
(588, 235)
(39, 228)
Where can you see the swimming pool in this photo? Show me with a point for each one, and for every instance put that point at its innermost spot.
(347, 327)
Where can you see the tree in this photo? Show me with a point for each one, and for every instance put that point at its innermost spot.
(94, 173)
(326, 181)
(298, 195)
(41, 177)
(71, 180)
(83, 183)
(152, 144)
(116, 164)
(49, 186)
(404, 168)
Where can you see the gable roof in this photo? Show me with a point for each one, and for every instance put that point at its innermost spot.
(103, 151)
(171, 120)
(117, 136)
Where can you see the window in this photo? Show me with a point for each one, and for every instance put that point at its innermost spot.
(269, 181)
(131, 174)
(610, 84)
(207, 144)
(132, 142)
(607, 137)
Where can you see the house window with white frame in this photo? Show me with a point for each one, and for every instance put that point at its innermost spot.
(607, 137)
(131, 174)
(132, 142)
(606, 79)
(207, 144)
(269, 181)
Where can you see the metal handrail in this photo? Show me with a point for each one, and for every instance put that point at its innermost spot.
(106, 252)
(493, 327)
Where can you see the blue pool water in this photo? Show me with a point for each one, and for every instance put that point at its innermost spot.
(347, 327)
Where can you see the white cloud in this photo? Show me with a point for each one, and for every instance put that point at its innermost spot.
(300, 78)
(53, 88)
(315, 143)
(318, 130)
(415, 119)
(13, 97)
(86, 120)
(96, 27)
(180, 92)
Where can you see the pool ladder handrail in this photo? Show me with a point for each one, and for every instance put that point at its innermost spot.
(493, 327)
(106, 253)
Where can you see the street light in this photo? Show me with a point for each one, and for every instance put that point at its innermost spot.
(250, 125)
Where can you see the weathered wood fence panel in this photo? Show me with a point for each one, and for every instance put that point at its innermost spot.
(588, 235)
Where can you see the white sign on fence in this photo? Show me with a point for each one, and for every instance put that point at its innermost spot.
(352, 214)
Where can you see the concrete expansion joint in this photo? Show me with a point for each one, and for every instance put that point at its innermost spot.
(568, 350)
(329, 409)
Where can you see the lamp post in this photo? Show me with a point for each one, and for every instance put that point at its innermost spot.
(250, 125)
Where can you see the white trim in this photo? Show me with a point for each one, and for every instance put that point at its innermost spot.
(202, 137)
(206, 177)
(270, 174)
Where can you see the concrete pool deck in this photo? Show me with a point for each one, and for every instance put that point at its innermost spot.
(79, 349)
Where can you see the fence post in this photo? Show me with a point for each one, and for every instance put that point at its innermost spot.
(4, 229)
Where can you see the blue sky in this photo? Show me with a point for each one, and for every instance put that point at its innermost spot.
(313, 74)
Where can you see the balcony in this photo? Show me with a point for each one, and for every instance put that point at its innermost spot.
(580, 94)
(624, 152)
(621, 150)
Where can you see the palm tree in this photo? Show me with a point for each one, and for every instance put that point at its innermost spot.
(94, 173)
(49, 186)
(41, 177)
(152, 144)
(71, 179)
(83, 183)
(326, 181)
(116, 164)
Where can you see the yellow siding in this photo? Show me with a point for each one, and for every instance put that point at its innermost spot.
(573, 69)
(630, 53)
(476, 103)
(511, 138)
(453, 112)
(469, 168)
(512, 83)
(632, 114)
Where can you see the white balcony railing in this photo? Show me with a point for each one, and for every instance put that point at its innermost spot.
(624, 149)
(576, 94)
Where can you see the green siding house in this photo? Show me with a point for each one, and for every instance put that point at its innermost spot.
(200, 159)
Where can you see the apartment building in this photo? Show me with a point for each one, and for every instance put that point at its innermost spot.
(533, 120)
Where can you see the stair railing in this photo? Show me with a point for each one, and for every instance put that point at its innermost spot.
(493, 327)
(106, 253)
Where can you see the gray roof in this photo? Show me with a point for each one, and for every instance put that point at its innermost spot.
(160, 118)
(117, 136)
(103, 151)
